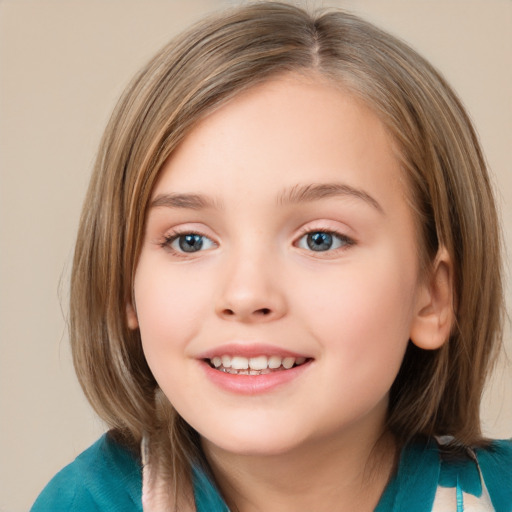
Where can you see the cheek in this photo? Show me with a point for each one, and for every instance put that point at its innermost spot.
(169, 310)
(363, 313)
(363, 334)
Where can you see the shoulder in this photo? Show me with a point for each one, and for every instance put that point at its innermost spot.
(496, 454)
(433, 476)
(482, 479)
(106, 476)
(495, 464)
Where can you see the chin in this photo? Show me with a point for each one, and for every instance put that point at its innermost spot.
(271, 448)
(254, 442)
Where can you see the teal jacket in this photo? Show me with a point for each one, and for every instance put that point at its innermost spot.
(107, 477)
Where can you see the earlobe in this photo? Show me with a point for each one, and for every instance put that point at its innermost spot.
(434, 316)
(131, 317)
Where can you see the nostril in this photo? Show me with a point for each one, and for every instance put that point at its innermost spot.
(242, 313)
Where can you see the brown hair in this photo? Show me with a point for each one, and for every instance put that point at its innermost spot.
(436, 392)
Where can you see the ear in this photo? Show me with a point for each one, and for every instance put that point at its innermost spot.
(131, 317)
(434, 314)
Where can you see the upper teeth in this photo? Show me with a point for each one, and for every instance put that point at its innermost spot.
(256, 363)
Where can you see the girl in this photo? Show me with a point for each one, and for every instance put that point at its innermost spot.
(286, 291)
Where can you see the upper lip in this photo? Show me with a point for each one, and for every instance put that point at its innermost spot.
(249, 350)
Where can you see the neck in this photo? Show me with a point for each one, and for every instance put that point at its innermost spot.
(334, 474)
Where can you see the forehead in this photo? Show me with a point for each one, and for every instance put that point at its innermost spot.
(291, 130)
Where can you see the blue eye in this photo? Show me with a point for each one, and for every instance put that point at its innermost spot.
(188, 242)
(321, 241)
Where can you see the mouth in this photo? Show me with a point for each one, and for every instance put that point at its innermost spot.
(259, 365)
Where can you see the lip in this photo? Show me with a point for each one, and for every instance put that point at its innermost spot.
(253, 384)
(249, 350)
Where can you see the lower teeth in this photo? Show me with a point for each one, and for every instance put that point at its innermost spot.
(244, 372)
(266, 371)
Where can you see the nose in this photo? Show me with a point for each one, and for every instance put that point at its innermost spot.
(251, 291)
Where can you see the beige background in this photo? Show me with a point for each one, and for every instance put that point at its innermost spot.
(63, 64)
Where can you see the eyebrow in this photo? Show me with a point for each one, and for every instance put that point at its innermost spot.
(316, 191)
(190, 201)
(296, 194)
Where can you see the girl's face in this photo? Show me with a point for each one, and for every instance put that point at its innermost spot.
(279, 235)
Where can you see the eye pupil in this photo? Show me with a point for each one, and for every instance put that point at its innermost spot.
(190, 242)
(319, 241)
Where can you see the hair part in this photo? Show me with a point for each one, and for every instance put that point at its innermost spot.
(436, 392)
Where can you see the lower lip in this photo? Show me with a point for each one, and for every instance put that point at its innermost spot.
(253, 384)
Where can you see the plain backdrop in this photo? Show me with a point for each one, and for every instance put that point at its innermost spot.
(62, 66)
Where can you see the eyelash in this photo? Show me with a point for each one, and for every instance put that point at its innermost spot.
(175, 235)
(171, 237)
(344, 239)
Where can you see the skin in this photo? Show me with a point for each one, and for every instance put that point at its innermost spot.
(350, 309)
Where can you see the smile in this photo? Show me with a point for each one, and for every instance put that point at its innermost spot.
(259, 365)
